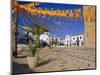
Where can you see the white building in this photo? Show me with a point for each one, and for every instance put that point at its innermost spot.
(74, 40)
(67, 40)
(58, 41)
(81, 39)
(44, 37)
(54, 40)
(77, 40)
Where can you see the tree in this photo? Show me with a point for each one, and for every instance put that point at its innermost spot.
(36, 30)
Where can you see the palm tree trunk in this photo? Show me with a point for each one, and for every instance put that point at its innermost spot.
(37, 41)
(37, 32)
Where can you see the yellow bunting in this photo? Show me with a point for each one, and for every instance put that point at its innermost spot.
(29, 10)
(35, 10)
(39, 11)
(77, 13)
(48, 12)
(43, 12)
(71, 14)
(54, 13)
(61, 13)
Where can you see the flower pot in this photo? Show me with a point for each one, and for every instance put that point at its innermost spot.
(32, 62)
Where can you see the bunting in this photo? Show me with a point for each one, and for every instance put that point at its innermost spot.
(77, 13)
(68, 14)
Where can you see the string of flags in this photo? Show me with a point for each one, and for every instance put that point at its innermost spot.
(28, 20)
(72, 13)
(36, 19)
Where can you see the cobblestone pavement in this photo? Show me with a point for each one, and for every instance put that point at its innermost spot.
(57, 59)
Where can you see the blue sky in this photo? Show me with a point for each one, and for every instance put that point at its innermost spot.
(70, 27)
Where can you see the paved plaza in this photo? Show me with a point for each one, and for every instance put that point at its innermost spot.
(56, 59)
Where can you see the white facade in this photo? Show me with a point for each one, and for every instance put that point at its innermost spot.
(77, 40)
(44, 37)
(67, 40)
(58, 41)
(74, 41)
(30, 34)
(54, 40)
(81, 40)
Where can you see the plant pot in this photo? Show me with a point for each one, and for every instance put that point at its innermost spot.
(32, 62)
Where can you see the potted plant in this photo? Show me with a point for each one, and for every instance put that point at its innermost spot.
(36, 30)
(32, 60)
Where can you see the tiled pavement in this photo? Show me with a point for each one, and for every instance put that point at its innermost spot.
(58, 59)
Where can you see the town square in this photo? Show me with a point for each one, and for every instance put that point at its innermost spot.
(51, 37)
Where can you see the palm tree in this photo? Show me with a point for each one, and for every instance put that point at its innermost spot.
(36, 30)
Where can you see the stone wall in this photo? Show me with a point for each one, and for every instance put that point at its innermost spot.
(89, 14)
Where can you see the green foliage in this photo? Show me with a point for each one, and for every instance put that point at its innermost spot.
(33, 48)
(37, 30)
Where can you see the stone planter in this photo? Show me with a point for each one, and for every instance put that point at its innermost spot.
(32, 62)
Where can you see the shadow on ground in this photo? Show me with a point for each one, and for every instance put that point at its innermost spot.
(43, 63)
(24, 69)
(19, 68)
